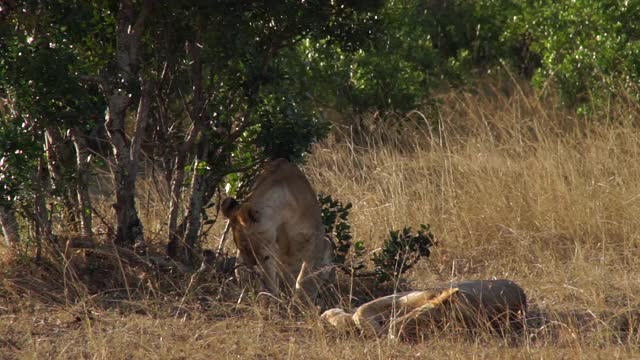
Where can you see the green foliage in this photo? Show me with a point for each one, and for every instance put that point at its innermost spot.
(414, 47)
(222, 65)
(288, 126)
(19, 153)
(589, 48)
(335, 217)
(246, 49)
(387, 73)
(39, 63)
(401, 251)
(398, 254)
(40, 59)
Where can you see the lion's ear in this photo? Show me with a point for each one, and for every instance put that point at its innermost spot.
(229, 207)
(246, 215)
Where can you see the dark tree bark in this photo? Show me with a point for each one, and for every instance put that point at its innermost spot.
(197, 115)
(196, 204)
(41, 214)
(177, 182)
(82, 183)
(129, 29)
(129, 230)
(59, 161)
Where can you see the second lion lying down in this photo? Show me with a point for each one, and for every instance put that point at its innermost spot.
(479, 303)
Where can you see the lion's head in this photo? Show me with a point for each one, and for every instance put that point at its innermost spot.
(241, 219)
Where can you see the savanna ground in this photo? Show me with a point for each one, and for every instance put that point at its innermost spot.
(512, 186)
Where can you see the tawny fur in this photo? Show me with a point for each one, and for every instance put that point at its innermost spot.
(473, 304)
(279, 232)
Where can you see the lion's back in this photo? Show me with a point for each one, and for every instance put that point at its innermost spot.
(283, 189)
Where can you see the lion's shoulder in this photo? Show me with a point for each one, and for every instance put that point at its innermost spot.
(280, 176)
(278, 170)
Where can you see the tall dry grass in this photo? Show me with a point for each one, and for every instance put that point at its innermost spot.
(513, 187)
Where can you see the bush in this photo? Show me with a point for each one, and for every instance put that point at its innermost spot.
(589, 48)
(401, 251)
(335, 217)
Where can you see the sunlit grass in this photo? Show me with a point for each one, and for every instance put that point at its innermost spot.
(512, 186)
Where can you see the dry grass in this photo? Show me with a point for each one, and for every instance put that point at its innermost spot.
(512, 187)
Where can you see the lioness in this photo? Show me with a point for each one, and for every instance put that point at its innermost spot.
(493, 303)
(279, 233)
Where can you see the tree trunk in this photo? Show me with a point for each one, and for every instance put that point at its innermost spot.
(176, 196)
(129, 230)
(59, 160)
(196, 114)
(52, 143)
(41, 214)
(82, 183)
(10, 228)
(129, 29)
(127, 222)
(196, 203)
(203, 182)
